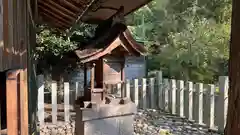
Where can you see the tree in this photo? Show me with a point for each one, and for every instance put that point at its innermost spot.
(175, 30)
(52, 45)
(233, 117)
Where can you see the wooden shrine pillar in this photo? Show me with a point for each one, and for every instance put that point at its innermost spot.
(12, 94)
(92, 77)
(24, 102)
(85, 76)
(86, 90)
(17, 102)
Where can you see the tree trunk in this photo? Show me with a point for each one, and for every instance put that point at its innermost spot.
(233, 117)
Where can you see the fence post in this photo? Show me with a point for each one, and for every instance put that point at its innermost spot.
(144, 93)
(212, 107)
(136, 84)
(127, 88)
(54, 103)
(181, 97)
(77, 90)
(119, 90)
(152, 93)
(166, 94)
(200, 103)
(159, 90)
(40, 80)
(66, 102)
(222, 102)
(190, 100)
(173, 96)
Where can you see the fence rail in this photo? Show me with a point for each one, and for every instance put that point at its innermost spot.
(194, 101)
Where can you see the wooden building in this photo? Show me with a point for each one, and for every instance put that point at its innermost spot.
(106, 58)
(17, 33)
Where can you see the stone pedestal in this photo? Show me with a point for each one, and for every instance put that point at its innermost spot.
(114, 118)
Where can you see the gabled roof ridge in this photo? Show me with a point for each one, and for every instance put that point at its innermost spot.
(138, 47)
(121, 38)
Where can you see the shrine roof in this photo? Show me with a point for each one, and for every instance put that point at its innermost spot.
(63, 14)
(115, 37)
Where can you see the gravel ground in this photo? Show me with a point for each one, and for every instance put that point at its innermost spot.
(147, 122)
(153, 122)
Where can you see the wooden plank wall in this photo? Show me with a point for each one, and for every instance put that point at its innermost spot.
(1, 34)
(13, 29)
(15, 40)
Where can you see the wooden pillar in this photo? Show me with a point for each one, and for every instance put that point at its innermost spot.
(12, 102)
(24, 102)
(17, 102)
(85, 75)
(85, 80)
(92, 76)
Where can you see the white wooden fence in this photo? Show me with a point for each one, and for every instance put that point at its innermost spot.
(194, 101)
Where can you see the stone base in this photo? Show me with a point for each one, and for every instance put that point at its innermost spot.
(115, 118)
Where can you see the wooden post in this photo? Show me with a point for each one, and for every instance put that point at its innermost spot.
(92, 76)
(160, 92)
(54, 103)
(136, 84)
(85, 76)
(119, 90)
(41, 99)
(181, 98)
(200, 103)
(144, 93)
(212, 107)
(85, 81)
(122, 78)
(173, 96)
(152, 93)
(166, 94)
(190, 100)
(76, 90)
(127, 88)
(24, 102)
(12, 102)
(66, 102)
(222, 103)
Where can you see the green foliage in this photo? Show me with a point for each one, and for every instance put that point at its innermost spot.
(187, 39)
(196, 52)
(52, 44)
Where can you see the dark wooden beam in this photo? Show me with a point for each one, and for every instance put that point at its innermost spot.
(58, 17)
(72, 6)
(54, 21)
(56, 10)
(64, 9)
(81, 2)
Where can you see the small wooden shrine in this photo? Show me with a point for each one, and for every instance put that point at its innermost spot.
(106, 56)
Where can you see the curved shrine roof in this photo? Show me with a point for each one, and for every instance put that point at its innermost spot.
(117, 36)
